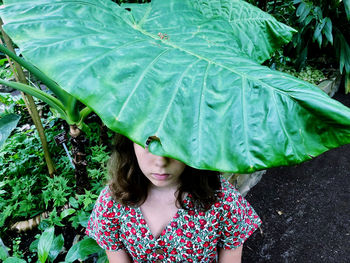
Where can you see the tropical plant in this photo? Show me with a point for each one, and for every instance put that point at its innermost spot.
(23, 176)
(65, 106)
(136, 66)
(85, 248)
(5, 72)
(328, 22)
(29, 101)
(26, 191)
(321, 25)
(47, 245)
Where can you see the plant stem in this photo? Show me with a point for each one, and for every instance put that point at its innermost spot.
(29, 101)
(9, 51)
(78, 141)
(50, 100)
(68, 100)
(84, 113)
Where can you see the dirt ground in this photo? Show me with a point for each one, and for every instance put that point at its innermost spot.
(305, 210)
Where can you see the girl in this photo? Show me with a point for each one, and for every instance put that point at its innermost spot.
(157, 209)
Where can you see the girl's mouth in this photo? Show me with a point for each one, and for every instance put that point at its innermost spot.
(161, 177)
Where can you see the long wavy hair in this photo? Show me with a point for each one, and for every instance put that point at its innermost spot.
(129, 186)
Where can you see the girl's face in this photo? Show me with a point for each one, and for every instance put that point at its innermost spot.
(161, 171)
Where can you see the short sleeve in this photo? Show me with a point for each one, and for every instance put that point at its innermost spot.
(238, 219)
(103, 225)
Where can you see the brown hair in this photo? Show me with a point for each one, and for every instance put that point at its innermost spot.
(128, 185)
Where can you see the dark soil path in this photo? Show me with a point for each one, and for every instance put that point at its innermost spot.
(305, 210)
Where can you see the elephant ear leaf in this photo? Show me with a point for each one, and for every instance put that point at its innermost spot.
(137, 10)
(8, 123)
(258, 33)
(177, 72)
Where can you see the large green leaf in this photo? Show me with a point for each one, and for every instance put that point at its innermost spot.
(251, 28)
(347, 8)
(181, 75)
(8, 123)
(14, 260)
(45, 243)
(82, 250)
(56, 247)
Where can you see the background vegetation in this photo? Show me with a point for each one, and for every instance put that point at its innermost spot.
(322, 41)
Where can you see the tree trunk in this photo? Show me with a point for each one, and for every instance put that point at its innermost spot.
(29, 101)
(78, 141)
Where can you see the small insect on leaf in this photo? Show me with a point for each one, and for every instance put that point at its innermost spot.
(163, 36)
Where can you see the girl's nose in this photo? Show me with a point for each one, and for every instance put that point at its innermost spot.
(161, 161)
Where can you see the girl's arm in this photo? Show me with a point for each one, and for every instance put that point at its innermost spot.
(118, 257)
(230, 255)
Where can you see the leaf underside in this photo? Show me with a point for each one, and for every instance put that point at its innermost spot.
(187, 72)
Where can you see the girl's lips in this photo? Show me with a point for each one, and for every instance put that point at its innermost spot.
(161, 177)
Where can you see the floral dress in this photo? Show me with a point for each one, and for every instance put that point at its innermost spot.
(191, 236)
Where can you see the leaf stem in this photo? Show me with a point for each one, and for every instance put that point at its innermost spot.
(84, 113)
(57, 90)
(52, 101)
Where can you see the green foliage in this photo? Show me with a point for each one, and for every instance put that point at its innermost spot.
(8, 123)
(83, 249)
(14, 260)
(67, 212)
(44, 245)
(85, 202)
(98, 157)
(309, 73)
(47, 245)
(20, 198)
(26, 190)
(327, 22)
(15, 247)
(23, 177)
(80, 218)
(56, 190)
(56, 247)
(98, 164)
(3, 252)
(52, 220)
(5, 71)
(11, 104)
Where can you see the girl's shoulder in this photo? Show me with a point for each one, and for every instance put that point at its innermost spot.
(237, 218)
(230, 200)
(105, 201)
(105, 196)
(105, 221)
(227, 189)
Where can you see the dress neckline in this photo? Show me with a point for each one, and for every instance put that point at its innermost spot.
(173, 219)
